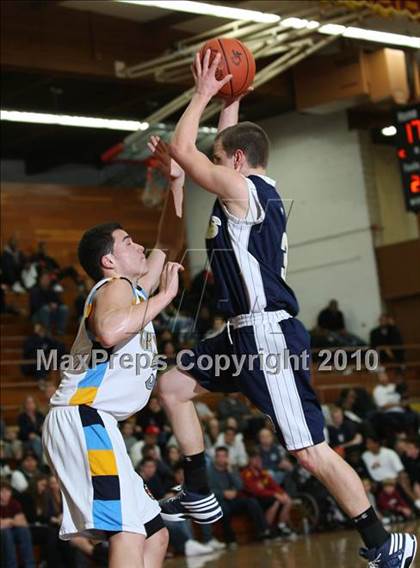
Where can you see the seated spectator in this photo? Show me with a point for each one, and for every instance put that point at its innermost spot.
(411, 460)
(13, 447)
(274, 501)
(46, 306)
(27, 470)
(35, 343)
(152, 415)
(393, 416)
(274, 459)
(11, 263)
(44, 520)
(169, 350)
(150, 438)
(147, 468)
(367, 484)
(391, 503)
(48, 389)
(172, 456)
(203, 411)
(233, 441)
(80, 300)
(30, 426)
(211, 433)
(29, 274)
(127, 432)
(385, 464)
(342, 433)
(332, 320)
(162, 469)
(14, 531)
(227, 486)
(232, 405)
(357, 404)
(217, 326)
(387, 335)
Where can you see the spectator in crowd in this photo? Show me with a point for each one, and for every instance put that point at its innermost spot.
(169, 351)
(203, 411)
(172, 457)
(41, 257)
(14, 531)
(275, 460)
(227, 485)
(11, 262)
(147, 468)
(150, 438)
(411, 461)
(80, 300)
(368, 485)
(152, 415)
(203, 322)
(393, 415)
(163, 471)
(233, 441)
(38, 342)
(127, 432)
(233, 405)
(274, 501)
(46, 306)
(217, 326)
(391, 503)
(342, 433)
(30, 422)
(357, 404)
(48, 389)
(29, 274)
(387, 336)
(25, 472)
(211, 433)
(13, 447)
(44, 519)
(385, 464)
(331, 319)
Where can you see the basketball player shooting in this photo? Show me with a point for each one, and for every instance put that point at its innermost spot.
(247, 249)
(103, 496)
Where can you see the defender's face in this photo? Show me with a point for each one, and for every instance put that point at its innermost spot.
(129, 256)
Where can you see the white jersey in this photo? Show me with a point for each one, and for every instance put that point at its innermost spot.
(118, 380)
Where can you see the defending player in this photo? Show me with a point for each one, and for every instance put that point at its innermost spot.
(247, 249)
(103, 496)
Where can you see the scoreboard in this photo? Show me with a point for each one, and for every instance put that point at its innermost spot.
(408, 152)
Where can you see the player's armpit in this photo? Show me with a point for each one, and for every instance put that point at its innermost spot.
(223, 182)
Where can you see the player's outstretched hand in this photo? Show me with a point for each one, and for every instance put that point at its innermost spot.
(170, 169)
(205, 79)
(169, 280)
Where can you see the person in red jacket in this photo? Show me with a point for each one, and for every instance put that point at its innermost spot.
(390, 501)
(258, 483)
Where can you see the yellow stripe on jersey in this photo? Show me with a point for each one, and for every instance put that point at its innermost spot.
(84, 395)
(102, 462)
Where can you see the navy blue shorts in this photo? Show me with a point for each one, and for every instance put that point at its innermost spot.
(275, 375)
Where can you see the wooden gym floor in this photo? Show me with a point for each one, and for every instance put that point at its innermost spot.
(329, 550)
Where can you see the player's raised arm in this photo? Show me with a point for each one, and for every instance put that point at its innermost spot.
(220, 180)
(116, 319)
(170, 238)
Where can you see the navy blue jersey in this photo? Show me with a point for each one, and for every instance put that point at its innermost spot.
(248, 256)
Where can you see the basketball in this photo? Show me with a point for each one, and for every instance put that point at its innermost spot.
(236, 60)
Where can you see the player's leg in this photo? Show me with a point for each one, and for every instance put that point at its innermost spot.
(155, 548)
(176, 391)
(126, 549)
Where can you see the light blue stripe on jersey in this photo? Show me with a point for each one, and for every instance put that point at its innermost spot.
(107, 515)
(97, 437)
(94, 377)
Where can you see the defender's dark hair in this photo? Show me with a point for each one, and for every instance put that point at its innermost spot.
(94, 244)
(248, 137)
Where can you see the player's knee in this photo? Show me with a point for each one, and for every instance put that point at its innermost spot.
(307, 459)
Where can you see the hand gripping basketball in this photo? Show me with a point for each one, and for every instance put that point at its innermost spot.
(205, 75)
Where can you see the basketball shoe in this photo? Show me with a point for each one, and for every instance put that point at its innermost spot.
(398, 551)
(203, 509)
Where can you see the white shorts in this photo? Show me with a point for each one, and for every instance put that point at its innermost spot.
(101, 491)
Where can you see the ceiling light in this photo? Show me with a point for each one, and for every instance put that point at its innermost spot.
(206, 9)
(332, 29)
(382, 37)
(66, 120)
(389, 131)
(296, 23)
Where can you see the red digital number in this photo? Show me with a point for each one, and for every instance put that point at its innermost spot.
(410, 130)
(414, 184)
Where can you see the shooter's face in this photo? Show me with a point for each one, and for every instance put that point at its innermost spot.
(128, 256)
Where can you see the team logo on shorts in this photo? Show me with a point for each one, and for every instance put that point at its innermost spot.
(213, 228)
(150, 382)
